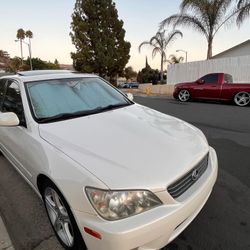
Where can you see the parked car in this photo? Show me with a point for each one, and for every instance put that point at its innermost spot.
(216, 86)
(66, 134)
(131, 85)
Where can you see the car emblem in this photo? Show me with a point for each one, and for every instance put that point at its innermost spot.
(195, 175)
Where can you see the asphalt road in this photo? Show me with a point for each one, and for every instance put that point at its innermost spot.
(224, 222)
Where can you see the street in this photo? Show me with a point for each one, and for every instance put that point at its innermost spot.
(224, 222)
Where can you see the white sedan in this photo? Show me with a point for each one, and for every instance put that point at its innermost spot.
(66, 134)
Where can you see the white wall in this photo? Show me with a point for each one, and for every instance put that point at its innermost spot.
(238, 67)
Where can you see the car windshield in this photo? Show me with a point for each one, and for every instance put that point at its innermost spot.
(60, 99)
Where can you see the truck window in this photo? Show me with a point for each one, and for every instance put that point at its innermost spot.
(228, 78)
(210, 79)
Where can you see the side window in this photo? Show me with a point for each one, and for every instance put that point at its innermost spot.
(13, 102)
(228, 78)
(210, 79)
(2, 91)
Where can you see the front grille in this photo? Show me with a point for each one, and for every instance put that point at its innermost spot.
(184, 183)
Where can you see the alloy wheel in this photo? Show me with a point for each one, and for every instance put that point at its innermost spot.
(184, 95)
(59, 217)
(242, 99)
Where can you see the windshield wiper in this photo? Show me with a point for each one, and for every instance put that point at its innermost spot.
(114, 106)
(65, 116)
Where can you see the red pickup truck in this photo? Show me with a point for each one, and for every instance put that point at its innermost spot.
(216, 86)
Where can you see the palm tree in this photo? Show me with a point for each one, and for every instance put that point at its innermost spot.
(160, 42)
(20, 36)
(205, 16)
(29, 34)
(173, 59)
(244, 10)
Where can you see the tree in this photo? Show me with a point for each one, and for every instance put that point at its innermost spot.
(243, 10)
(148, 75)
(129, 73)
(14, 65)
(21, 36)
(56, 62)
(98, 36)
(160, 42)
(29, 35)
(206, 16)
(173, 59)
(39, 64)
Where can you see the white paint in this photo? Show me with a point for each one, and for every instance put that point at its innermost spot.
(128, 148)
(8, 119)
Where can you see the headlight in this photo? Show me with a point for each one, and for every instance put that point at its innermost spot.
(115, 205)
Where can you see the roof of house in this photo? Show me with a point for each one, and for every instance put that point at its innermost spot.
(233, 48)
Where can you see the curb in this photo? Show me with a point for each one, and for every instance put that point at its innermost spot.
(5, 242)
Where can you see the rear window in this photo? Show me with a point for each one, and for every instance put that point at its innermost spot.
(228, 78)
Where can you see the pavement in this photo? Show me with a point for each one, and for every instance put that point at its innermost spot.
(5, 242)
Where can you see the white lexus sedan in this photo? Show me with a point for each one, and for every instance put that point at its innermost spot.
(113, 175)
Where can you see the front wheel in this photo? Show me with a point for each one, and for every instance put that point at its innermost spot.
(184, 95)
(242, 99)
(61, 218)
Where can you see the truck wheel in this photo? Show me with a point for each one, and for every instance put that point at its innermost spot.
(184, 95)
(242, 99)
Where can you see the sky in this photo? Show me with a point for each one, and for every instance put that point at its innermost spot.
(49, 20)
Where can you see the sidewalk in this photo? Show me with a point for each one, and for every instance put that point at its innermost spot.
(5, 242)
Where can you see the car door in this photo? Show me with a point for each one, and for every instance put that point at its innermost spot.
(15, 140)
(210, 88)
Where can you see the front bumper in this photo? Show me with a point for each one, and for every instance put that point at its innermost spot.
(175, 93)
(155, 228)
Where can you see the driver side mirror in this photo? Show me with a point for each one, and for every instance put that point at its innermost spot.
(9, 119)
(201, 81)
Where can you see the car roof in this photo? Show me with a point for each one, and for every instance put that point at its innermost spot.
(39, 75)
(43, 72)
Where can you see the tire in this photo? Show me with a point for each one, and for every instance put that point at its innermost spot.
(61, 218)
(242, 99)
(184, 95)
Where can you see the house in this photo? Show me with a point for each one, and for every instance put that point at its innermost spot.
(242, 49)
(234, 61)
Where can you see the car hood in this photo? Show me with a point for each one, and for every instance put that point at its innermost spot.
(132, 147)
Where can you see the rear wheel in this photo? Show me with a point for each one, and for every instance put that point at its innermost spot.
(61, 218)
(184, 95)
(242, 99)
